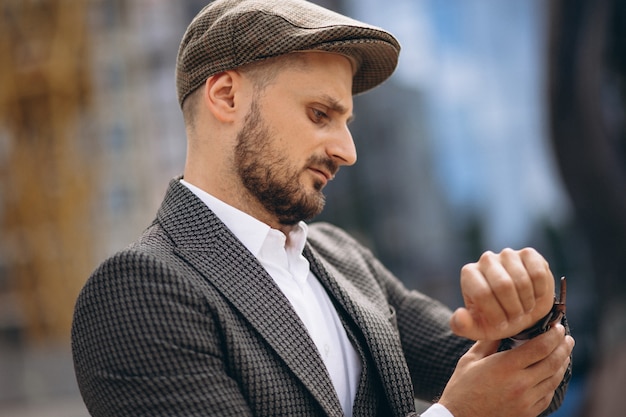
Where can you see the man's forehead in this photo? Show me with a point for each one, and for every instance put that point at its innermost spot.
(337, 99)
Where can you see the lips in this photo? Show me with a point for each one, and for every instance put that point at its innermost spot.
(327, 175)
(324, 175)
(324, 168)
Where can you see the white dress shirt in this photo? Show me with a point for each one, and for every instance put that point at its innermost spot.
(282, 259)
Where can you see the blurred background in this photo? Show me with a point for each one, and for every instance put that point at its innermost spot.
(504, 126)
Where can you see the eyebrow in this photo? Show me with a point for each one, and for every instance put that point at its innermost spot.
(336, 106)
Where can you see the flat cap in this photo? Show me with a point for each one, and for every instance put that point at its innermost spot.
(227, 34)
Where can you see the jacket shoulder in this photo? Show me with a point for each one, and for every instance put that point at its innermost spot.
(330, 239)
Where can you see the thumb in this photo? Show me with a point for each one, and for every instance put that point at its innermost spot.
(462, 323)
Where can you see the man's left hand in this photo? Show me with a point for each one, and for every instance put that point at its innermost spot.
(504, 294)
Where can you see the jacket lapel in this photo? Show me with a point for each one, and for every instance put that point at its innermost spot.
(209, 246)
(382, 341)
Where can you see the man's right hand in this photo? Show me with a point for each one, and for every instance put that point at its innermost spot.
(516, 383)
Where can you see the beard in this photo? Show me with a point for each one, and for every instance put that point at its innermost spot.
(270, 179)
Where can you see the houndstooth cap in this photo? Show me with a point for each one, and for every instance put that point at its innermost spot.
(227, 34)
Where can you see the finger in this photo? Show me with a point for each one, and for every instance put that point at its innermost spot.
(538, 351)
(479, 351)
(514, 265)
(556, 362)
(479, 297)
(545, 389)
(543, 377)
(484, 348)
(541, 279)
(462, 324)
(504, 289)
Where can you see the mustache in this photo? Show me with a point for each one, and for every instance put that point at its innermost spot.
(325, 162)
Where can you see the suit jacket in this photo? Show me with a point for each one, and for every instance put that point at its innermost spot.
(186, 321)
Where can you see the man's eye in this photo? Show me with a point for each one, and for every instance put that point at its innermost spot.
(318, 115)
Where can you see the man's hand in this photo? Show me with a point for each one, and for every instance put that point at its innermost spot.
(504, 294)
(516, 383)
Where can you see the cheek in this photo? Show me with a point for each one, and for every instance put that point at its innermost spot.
(297, 141)
(293, 133)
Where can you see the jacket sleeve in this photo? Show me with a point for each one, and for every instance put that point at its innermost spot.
(145, 343)
(431, 349)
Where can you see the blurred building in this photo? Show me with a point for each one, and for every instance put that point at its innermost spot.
(90, 133)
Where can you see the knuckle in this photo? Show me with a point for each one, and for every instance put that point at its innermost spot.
(503, 285)
(528, 251)
(465, 360)
(535, 272)
(468, 269)
(555, 362)
(487, 257)
(545, 349)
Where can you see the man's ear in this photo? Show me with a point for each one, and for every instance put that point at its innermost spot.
(222, 95)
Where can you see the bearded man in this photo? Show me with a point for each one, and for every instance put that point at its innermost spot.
(229, 304)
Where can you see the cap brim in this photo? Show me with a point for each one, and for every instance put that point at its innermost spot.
(376, 60)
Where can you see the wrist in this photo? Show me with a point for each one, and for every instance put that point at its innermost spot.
(555, 315)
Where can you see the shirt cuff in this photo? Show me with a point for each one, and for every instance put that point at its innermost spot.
(436, 410)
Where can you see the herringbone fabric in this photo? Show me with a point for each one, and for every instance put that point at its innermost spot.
(227, 34)
(186, 322)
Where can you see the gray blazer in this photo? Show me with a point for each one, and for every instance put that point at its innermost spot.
(186, 322)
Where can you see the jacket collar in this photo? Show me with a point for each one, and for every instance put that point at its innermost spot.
(203, 241)
(209, 246)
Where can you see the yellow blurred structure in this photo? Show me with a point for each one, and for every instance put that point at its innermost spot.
(45, 166)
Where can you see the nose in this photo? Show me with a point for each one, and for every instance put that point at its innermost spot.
(341, 147)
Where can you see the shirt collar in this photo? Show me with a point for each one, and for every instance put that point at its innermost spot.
(250, 231)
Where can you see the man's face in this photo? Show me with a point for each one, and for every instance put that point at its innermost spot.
(295, 137)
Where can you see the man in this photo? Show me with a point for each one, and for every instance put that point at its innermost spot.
(230, 305)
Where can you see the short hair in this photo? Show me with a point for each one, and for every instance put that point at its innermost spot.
(263, 73)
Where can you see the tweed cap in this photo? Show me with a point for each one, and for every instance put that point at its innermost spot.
(227, 34)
